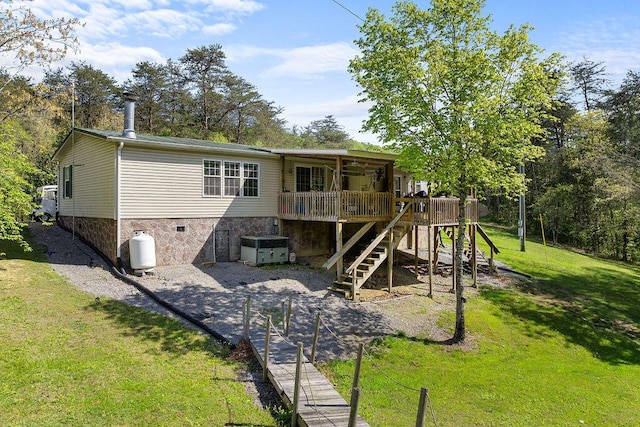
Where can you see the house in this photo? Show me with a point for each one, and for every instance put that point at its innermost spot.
(198, 198)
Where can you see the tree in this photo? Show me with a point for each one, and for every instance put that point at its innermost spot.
(150, 83)
(15, 199)
(325, 133)
(205, 69)
(588, 79)
(97, 97)
(26, 40)
(462, 102)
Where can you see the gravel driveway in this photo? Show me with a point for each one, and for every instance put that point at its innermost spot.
(217, 294)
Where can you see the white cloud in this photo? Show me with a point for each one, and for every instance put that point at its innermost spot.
(233, 6)
(116, 59)
(310, 61)
(612, 41)
(305, 62)
(218, 29)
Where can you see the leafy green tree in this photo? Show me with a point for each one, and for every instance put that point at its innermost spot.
(15, 199)
(462, 102)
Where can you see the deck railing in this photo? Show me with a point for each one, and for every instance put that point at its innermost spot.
(440, 210)
(335, 206)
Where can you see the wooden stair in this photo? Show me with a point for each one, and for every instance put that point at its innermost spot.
(482, 262)
(371, 258)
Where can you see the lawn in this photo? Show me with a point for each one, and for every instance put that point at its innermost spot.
(561, 349)
(67, 359)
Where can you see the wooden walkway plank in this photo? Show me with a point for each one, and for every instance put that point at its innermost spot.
(320, 404)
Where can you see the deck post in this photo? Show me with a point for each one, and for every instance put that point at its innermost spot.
(453, 259)
(474, 255)
(416, 255)
(340, 262)
(390, 261)
(436, 246)
(430, 257)
(296, 390)
(265, 364)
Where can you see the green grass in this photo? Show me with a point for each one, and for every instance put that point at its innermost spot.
(66, 359)
(562, 349)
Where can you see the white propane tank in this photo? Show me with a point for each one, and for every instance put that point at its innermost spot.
(142, 249)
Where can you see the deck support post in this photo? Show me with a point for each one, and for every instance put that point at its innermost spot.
(390, 261)
(340, 262)
(453, 259)
(431, 246)
(474, 255)
(416, 256)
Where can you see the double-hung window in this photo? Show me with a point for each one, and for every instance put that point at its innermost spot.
(212, 178)
(67, 181)
(231, 178)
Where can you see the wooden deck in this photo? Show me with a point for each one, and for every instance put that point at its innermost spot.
(320, 404)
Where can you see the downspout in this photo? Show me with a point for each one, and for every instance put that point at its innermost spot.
(120, 265)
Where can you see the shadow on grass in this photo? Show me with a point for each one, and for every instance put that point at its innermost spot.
(597, 309)
(171, 335)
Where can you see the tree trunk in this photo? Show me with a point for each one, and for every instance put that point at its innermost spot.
(460, 330)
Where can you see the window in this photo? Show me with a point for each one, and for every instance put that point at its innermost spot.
(397, 184)
(230, 178)
(67, 181)
(310, 178)
(212, 177)
(250, 187)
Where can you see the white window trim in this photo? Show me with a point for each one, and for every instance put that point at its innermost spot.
(222, 178)
(310, 166)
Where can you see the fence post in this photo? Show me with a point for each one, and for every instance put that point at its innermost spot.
(422, 407)
(247, 316)
(355, 403)
(315, 339)
(286, 326)
(265, 366)
(356, 375)
(296, 390)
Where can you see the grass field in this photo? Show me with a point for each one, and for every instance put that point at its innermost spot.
(562, 349)
(67, 359)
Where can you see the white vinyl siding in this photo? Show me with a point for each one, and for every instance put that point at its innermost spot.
(92, 178)
(169, 184)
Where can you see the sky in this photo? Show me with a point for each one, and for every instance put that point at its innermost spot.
(296, 52)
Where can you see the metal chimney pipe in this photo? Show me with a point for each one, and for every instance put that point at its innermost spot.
(129, 115)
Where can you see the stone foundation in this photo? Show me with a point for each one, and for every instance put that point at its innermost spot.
(195, 240)
(100, 232)
(310, 238)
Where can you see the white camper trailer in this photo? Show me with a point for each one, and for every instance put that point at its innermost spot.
(48, 203)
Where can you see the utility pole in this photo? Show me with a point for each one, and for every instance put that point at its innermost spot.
(522, 221)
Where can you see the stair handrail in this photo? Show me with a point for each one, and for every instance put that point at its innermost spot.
(487, 239)
(331, 261)
(378, 238)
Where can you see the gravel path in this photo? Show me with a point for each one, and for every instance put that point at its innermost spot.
(216, 296)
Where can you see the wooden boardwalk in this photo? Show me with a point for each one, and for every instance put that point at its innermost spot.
(319, 403)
